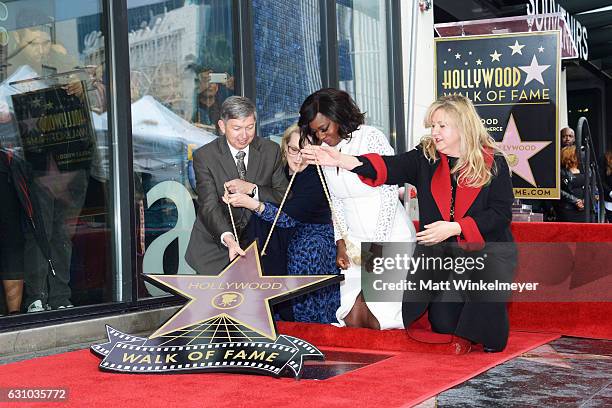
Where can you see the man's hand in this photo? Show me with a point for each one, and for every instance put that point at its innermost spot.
(342, 259)
(241, 200)
(233, 247)
(239, 186)
(437, 232)
(74, 88)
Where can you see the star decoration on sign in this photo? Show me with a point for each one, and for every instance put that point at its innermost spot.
(534, 71)
(495, 56)
(516, 48)
(520, 152)
(478, 61)
(541, 49)
(457, 56)
(30, 124)
(239, 292)
(37, 102)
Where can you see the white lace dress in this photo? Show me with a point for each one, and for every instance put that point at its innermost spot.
(367, 214)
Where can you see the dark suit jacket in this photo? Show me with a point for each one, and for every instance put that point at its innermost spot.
(214, 165)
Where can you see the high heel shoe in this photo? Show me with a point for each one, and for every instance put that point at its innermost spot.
(460, 345)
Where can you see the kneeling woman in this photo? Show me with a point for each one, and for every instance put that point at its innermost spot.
(306, 224)
(465, 196)
(363, 214)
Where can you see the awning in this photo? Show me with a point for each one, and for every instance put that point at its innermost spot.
(516, 24)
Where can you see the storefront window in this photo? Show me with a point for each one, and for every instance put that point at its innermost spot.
(55, 225)
(182, 69)
(287, 40)
(362, 57)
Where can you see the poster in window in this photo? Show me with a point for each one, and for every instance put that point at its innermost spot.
(55, 127)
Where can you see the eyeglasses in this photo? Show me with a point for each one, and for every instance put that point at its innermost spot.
(292, 150)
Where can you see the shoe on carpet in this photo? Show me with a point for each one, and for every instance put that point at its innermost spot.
(36, 306)
(460, 345)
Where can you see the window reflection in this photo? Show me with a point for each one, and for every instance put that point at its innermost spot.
(182, 69)
(287, 60)
(54, 228)
(362, 57)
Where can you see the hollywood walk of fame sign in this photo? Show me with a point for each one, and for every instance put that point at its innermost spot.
(225, 326)
(56, 128)
(513, 80)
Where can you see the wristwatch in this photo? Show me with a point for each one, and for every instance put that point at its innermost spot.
(252, 194)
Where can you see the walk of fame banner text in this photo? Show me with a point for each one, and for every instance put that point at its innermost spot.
(513, 80)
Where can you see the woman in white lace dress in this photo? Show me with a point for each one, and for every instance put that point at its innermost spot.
(362, 213)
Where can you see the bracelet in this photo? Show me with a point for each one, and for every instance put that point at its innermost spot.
(260, 208)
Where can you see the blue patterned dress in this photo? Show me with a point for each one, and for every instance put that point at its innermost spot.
(311, 251)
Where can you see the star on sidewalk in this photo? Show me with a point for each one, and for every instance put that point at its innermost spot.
(495, 56)
(240, 292)
(520, 152)
(534, 71)
(516, 48)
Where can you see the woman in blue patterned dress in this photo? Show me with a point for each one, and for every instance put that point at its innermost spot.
(311, 249)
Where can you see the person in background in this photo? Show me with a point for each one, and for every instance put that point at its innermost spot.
(571, 205)
(568, 137)
(465, 196)
(306, 217)
(329, 117)
(209, 102)
(211, 93)
(60, 190)
(606, 178)
(548, 208)
(11, 238)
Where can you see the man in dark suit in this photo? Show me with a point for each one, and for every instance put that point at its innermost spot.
(237, 162)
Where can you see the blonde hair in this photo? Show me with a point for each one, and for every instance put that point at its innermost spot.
(285, 140)
(475, 140)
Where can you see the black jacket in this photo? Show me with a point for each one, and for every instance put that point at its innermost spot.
(572, 188)
(484, 213)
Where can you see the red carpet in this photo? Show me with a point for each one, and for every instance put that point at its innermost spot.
(417, 371)
(581, 319)
(402, 380)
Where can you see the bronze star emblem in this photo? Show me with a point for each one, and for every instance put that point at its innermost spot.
(240, 292)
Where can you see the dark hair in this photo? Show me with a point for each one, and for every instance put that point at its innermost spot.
(337, 106)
